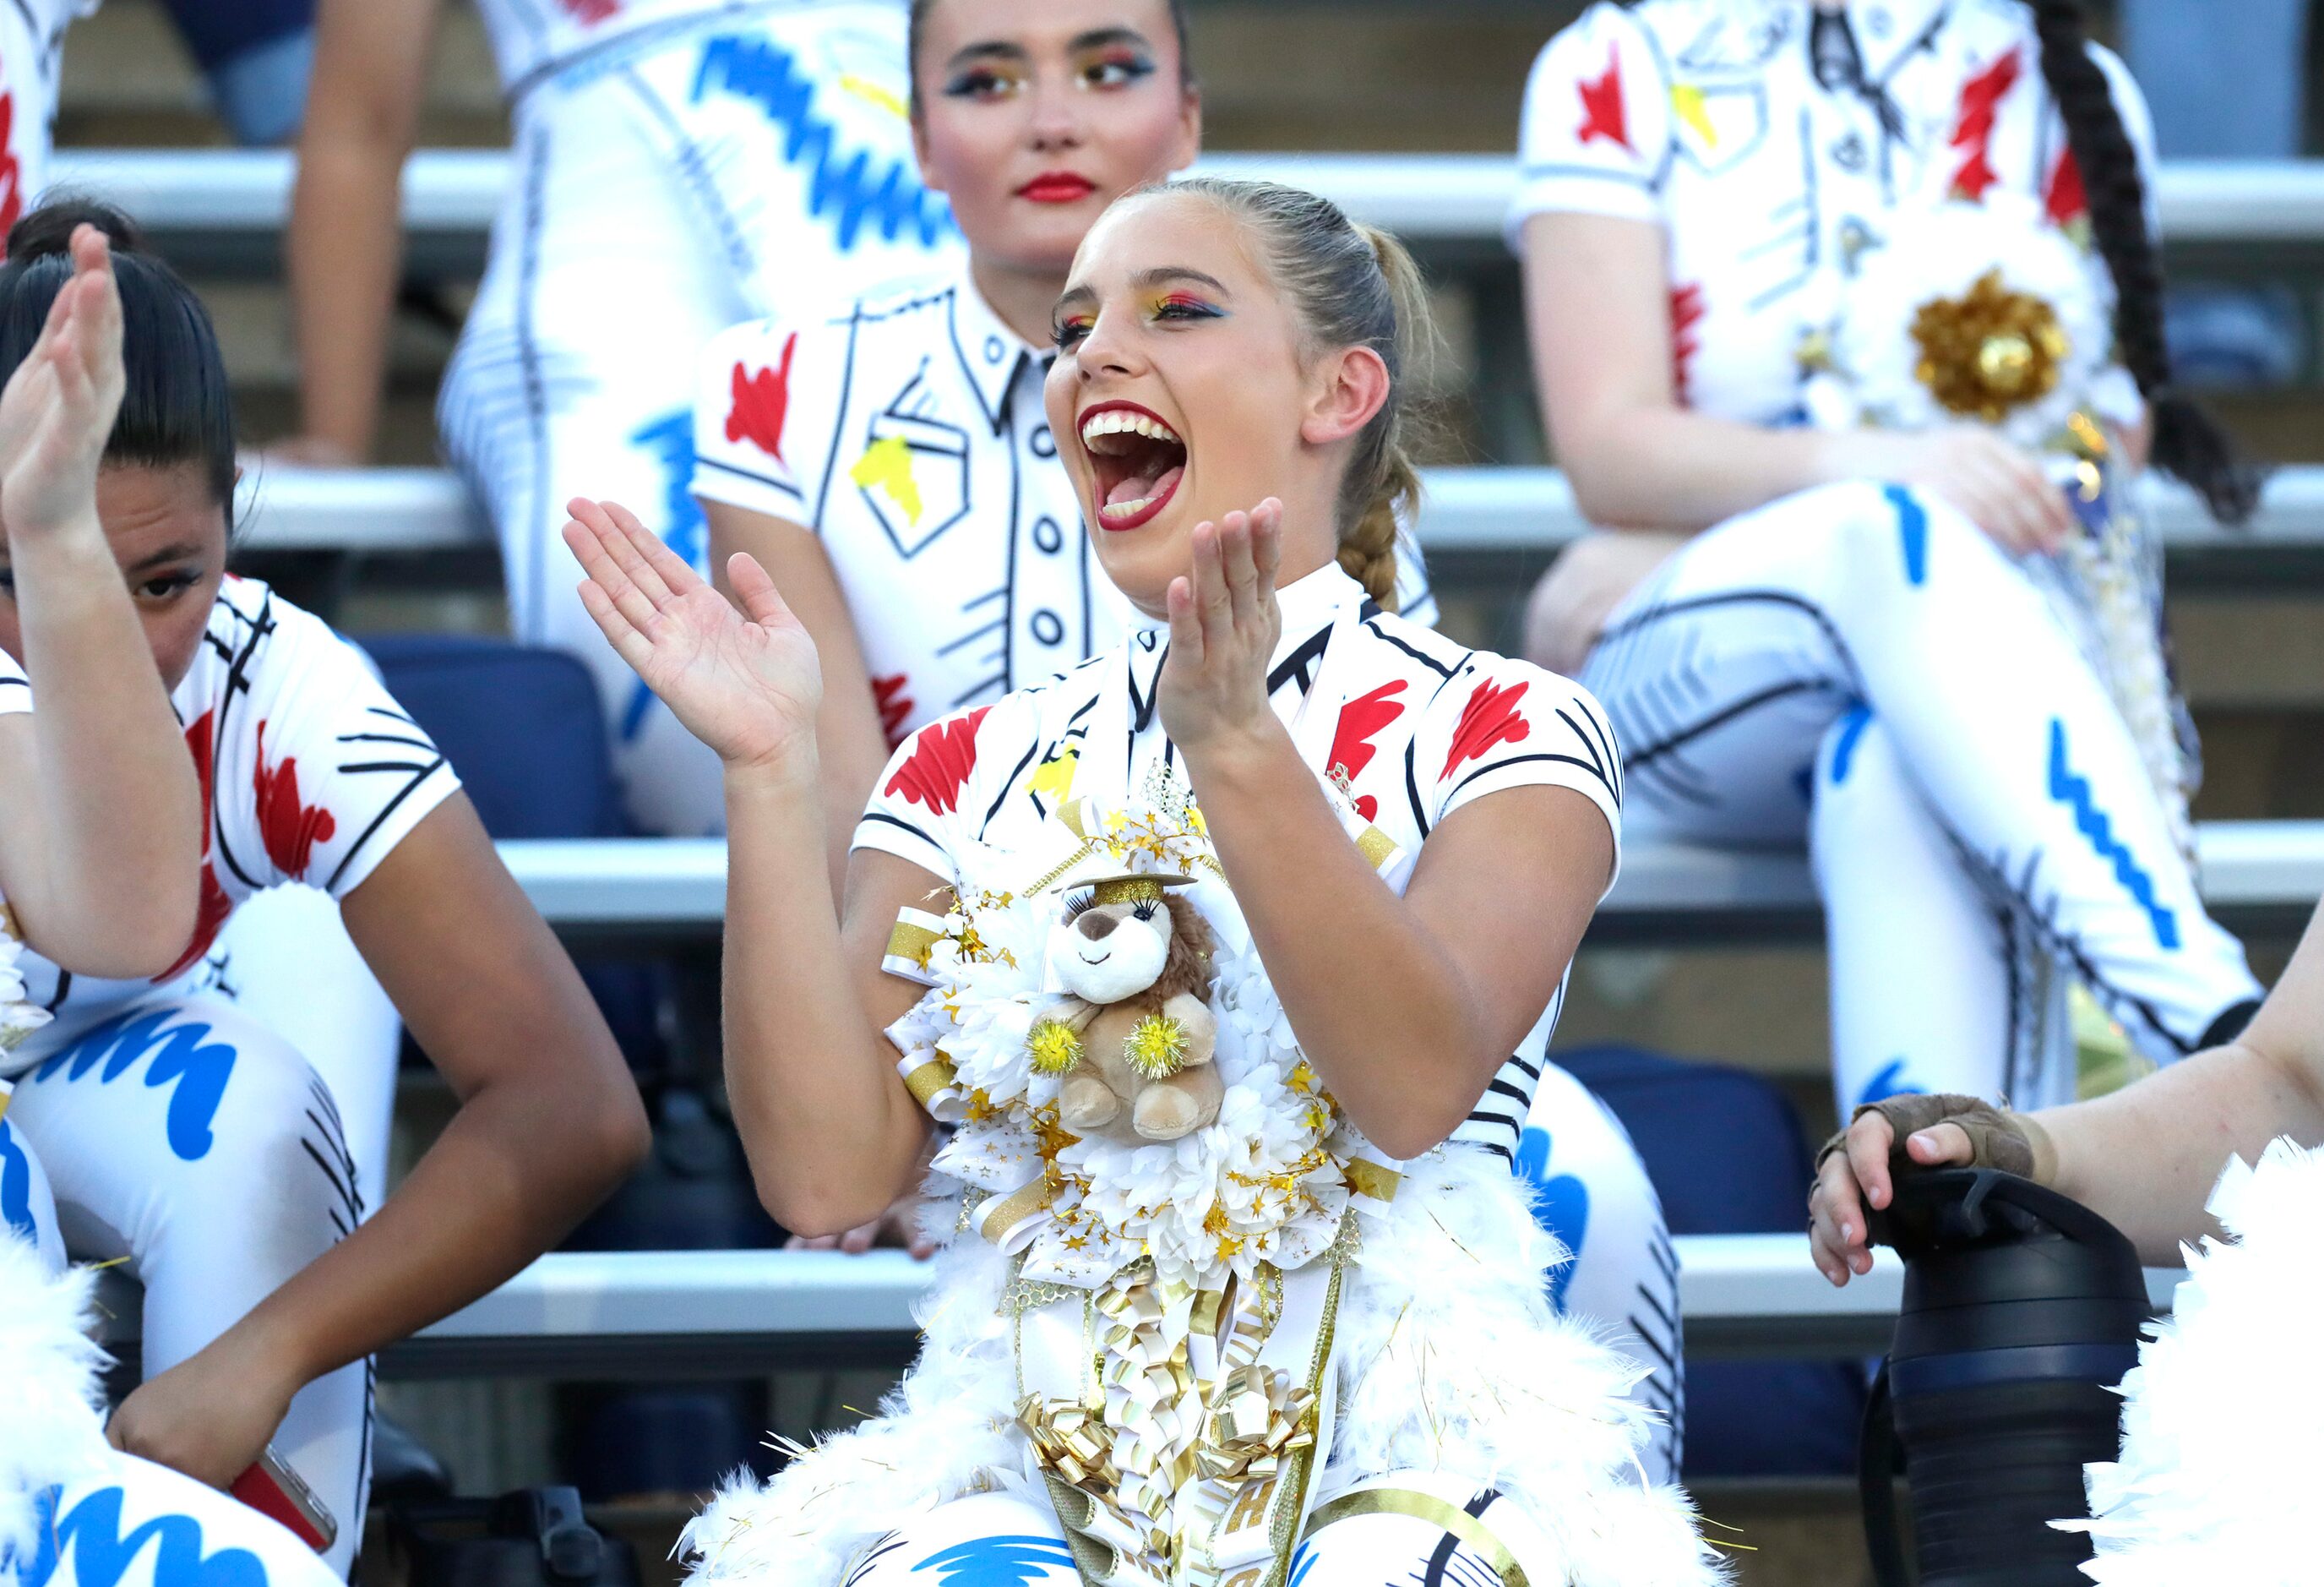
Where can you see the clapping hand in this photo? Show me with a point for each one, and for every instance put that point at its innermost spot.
(57, 410)
(746, 683)
(1224, 627)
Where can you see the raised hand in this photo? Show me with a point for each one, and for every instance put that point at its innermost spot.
(1223, 626)
(745, 683)
(58, 408)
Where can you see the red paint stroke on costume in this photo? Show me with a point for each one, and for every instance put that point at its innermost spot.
(590, 13)
(211, 913)
(1980, 105)
(289, 827)
(1686, 313)
(895, 705)
(1351, 746)
(938, 768)
(2066, 201)
(1489, 718)
(1601, 103)
(12, 172)
(762, 403)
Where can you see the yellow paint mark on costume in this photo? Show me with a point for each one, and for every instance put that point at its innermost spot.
(1053, 780)
(1686, 104)
(877, 95)
(887, 466)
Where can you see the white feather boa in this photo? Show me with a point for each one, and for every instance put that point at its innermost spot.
(1454, 1362)
(2223, 1418)
(49, 1429)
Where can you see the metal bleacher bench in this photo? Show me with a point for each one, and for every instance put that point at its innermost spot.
(206, 197)
(721, 1314)
(1466, 511)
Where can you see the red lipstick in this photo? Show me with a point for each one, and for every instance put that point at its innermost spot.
(1058, 187)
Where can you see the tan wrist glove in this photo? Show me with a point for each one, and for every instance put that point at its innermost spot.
(2011, 1142)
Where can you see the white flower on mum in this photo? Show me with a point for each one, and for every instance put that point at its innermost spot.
(1874, 371)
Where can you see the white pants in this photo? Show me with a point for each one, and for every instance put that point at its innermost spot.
(184, 1137)
(1591, 1190)
(140, 1524)
(1864, 668)
(998, 1539)
(759, 164)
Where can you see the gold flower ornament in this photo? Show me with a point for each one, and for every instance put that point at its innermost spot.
(1991, 350)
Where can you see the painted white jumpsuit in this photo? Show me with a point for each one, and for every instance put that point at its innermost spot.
(31, 55)
(905, 430)
(1860, 665)
(159, 1122)
(1422, 726)
(680, 165)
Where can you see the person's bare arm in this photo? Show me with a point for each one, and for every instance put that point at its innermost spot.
(1597, 313)
(850, 743)
(1447, 990)
(100, 839)
(2146, 1157)
(344, 246)
(832, 1134)
(548, 1124)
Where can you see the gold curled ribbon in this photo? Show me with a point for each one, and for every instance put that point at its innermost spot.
(1424, 1506)
(1257, 1417)
(930, 1081)
(1368, 1178)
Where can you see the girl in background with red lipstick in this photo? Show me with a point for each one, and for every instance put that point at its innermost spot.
(887, 462)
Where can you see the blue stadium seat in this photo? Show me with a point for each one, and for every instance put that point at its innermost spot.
(1727, 1155)
(523, 729)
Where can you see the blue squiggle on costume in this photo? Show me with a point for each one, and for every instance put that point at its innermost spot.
(16, 1186)
(1888, 1082)
(999, 1562)
(770, 77)
(2073, 791)
(102, 1555)
(1843, 752)
(1560, 1205)
(1912, 528)
(670, 439)
(183, 1056)
(1303, 1560)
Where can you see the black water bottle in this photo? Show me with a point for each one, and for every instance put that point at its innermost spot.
(2022, 1308)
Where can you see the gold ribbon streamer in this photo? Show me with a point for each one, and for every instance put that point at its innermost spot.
(930, 1081)
(912, 941)
(1368, 1178)
(995, 1220)
(1423, 1507)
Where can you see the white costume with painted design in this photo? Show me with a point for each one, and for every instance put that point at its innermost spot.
(158, 1122)
(1838, 665)
(905, 430)
(1386, 1325)
(31, 60)
(680, 167)
(75, 1512)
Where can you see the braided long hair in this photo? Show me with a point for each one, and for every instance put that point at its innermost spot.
(2189, 445)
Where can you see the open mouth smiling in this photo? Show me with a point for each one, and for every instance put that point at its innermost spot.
(1139, 461)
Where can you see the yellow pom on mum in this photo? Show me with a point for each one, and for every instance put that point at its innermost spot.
(1053, 1047)
(1155, 1047)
